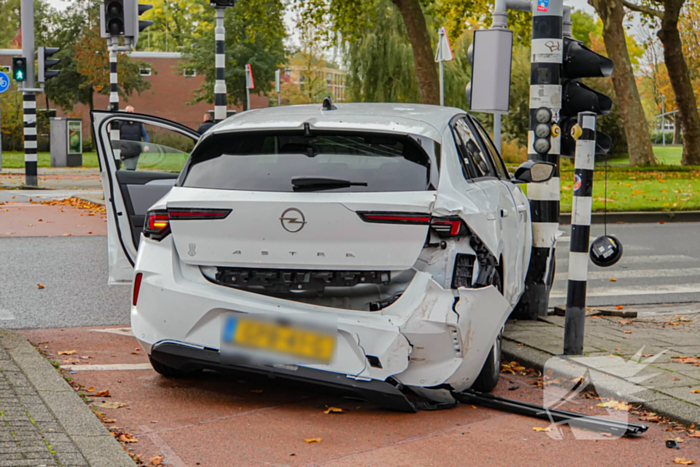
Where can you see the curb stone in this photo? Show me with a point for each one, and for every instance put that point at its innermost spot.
(93, 440)
(638, 217)
(649, 398)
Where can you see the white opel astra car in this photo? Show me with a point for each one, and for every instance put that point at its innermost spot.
(377, 248)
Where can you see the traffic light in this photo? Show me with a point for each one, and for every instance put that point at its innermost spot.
(133, 9)
(46, 63)
(581, 62)
(221, 3)
(114, 18)
(19, 68)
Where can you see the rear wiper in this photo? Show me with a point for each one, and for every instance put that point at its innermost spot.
(322, 183)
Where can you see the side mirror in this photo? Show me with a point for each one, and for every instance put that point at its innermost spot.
(534, 172)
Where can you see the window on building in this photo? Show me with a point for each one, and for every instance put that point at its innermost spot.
(145, 71)
(190, 73)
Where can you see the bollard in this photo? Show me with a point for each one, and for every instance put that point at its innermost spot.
(575, 318)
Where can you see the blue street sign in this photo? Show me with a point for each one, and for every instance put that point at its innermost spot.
(4, 82)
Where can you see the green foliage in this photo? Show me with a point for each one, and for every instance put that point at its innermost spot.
(583, 25)
(380, 63)
(254, 34)
(12, 120)
(177, 25)
(517, 123)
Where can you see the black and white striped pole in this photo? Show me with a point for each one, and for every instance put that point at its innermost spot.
(220, 62)
(584, 164)
(31, 177)
(543, 145)
(114, 135)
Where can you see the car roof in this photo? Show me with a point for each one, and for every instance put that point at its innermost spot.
(418, 119)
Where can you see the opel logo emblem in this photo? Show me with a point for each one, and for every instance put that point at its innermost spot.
(292, 220)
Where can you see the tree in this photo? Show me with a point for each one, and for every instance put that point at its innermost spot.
(254, 34)
(667, 13)
(612, 14)
(84, 58)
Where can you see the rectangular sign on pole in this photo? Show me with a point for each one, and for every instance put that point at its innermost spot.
(250, 84)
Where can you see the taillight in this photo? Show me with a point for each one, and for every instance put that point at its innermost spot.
(137, 287)
(410, 218)
(197, 214)
(157, 225)
(446, 227)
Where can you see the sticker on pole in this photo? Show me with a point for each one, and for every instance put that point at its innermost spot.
(444, 51)
(249, 83)
(4, 82)
(542, 5)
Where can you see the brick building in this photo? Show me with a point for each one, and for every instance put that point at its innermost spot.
(171, 89)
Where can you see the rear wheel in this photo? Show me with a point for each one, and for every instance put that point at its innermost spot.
(491, 371)
(170, 372)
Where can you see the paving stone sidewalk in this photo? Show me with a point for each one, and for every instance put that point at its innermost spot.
(43, 422)
(666, 338)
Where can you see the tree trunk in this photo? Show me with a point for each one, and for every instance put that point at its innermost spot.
(627, 95)
(676, 129)
(680, 81)
(423, 58)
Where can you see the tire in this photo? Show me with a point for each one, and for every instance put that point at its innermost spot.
(170, 372)
(491, 371)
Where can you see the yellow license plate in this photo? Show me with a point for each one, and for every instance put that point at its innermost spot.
(279, 338)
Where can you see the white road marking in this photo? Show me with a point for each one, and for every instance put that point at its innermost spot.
(120, 331)
(624, 291)
(643, 259)
(109, 367)
(636, 273)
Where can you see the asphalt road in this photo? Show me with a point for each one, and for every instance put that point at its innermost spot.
(660, 264)
(73, 271)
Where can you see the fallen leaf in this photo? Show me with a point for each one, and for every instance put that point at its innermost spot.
(40, 286)
(91, 389)
(615, 405)
(127, 438)
(690, 360)
(313, 440)
(695, 391)
(157, 460)
(67, 352)
(619, 307)
(67, 235)
(626, 332)
(540, 429)
(683, 461)
(623, 322)
(109, 420)
(112, 405)
(612, 279)
(103, 393)
(339, 410)
(694, 435)
(618, 349)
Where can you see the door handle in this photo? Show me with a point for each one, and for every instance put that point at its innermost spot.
(504, 213)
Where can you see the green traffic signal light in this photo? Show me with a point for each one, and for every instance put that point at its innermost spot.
(19, 68)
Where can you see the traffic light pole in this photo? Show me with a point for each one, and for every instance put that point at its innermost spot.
(112, 44)
(584, 164)
(545, 93)
(220, 62)
(31, 177)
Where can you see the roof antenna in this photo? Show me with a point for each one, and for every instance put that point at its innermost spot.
(328, 104)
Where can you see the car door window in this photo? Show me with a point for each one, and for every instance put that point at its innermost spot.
(143, 147)
(475, 164)
(491, 152)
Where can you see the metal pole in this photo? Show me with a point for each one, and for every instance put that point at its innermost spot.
(663, 119)
(29, 104)
(220, 63)
(545, 91)
(497, 131)
(442, 83)
(584, 164)
(112, 44)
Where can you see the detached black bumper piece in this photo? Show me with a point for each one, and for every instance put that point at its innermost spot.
(187, 357)
(579, 420)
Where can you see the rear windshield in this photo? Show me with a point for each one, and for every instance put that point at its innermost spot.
(322, 162)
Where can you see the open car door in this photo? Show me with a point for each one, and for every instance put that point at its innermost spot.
(137, 169)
